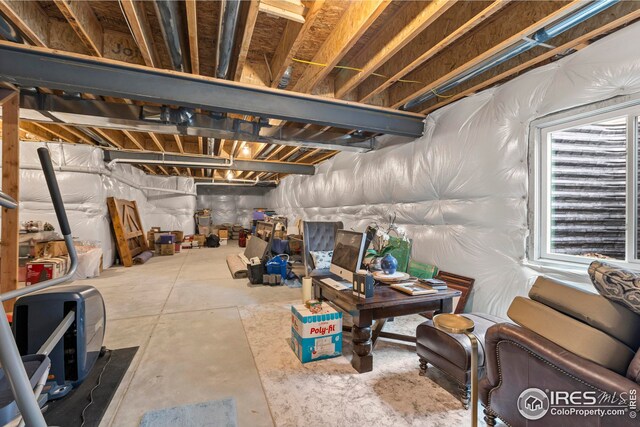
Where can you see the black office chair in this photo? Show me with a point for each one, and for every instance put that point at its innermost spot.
(317, 236)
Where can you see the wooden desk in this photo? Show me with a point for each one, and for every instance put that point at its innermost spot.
(386, 303)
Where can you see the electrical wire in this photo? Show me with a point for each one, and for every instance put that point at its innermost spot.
(344, 67)
(84, 420)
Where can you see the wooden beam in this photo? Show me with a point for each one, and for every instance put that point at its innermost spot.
(247, 34)
(84, 22)
(412, 19)
(308, 154)
(113, 137)
(141, 31)
(325, 157)
(37, 130)
(156, 141)
(455, 23)
(151, 171)
(179, 143)
(9, 239)
(290, 10)
(164, 171)
(291, 40)
(192, 29)
(29, 18)
(606, 22)
(135, 139)
(356, 20)
(520, 19)
(200, 148)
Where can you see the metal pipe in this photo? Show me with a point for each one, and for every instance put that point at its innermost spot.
(171, 24)
(57, 334)
(539, 38)
(229, 11)
(17, 376)
(226, 165)
(168, 190)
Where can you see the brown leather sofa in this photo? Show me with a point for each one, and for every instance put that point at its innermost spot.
(565, 340)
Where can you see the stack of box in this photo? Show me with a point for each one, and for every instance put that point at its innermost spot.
(223, 234)
(317, 334)
(165, 243)
(43, 269)
(235, 231)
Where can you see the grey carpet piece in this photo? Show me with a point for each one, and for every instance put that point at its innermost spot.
(220, 413)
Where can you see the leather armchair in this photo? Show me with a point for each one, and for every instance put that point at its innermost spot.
(317, 236)
(517, 359)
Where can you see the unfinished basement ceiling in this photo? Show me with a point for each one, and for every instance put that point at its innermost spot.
(383, 53)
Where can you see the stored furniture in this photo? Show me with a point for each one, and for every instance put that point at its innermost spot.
(317, 236)
(451, 353)
(565, 339)
(237, 263)
(457, 324)
(127, 228)
(386, 303)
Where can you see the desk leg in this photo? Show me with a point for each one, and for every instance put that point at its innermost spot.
(446, 306)
(362, 344)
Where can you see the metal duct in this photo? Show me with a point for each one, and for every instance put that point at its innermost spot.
(539, 38)
(171, 24)
(210, 151)
(286, 78)
(229, 11)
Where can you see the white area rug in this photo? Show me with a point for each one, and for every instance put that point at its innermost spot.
(331, 393)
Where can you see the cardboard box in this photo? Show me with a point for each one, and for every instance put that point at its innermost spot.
(179, 235)
(43, 269)
(223, 233)
(200, 238)
(51, 249)
(224, 242)
(316, 336)
(167, 249)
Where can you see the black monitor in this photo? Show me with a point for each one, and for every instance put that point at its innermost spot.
(348, 251)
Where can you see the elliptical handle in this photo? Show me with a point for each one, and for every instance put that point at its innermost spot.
(54, 190)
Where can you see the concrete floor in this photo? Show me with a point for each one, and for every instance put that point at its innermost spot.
(182, 311)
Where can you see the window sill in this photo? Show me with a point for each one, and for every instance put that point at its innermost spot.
(571, 273)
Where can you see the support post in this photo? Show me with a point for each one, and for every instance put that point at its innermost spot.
(9, 238)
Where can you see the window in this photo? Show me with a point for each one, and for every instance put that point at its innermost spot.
(585, 181)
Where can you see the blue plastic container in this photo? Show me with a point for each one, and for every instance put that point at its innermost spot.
(278, 265)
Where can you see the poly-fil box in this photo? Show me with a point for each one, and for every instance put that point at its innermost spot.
(316, 336)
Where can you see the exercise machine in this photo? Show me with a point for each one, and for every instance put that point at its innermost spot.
(59, 332)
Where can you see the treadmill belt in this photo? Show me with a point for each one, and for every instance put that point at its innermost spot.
(67, 411)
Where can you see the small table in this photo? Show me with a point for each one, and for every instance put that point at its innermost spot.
(385, 303)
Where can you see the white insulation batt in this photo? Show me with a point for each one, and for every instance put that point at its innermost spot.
(461, 190)
(231, 205)
(85, 183)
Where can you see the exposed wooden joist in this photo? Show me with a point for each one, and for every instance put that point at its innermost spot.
(428, 44)
(324, 157)
(291, 40)
(113, 137)
(307, 155)
(404, 26)
(247, 34)
(156, 141)
(192, 29)
(61, 132)
(179, 143)
(29, 18)
(163, 170)
(84, 22)
(291, 10)
(520, 19)
(135, 15)
(356, 20)
(151, 171)
(200, 147)
(610, 20)
(135, 139)
(9, 239)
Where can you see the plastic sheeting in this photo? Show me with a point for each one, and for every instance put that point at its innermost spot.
(233, 205)
(461, 190)
(85, 184)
